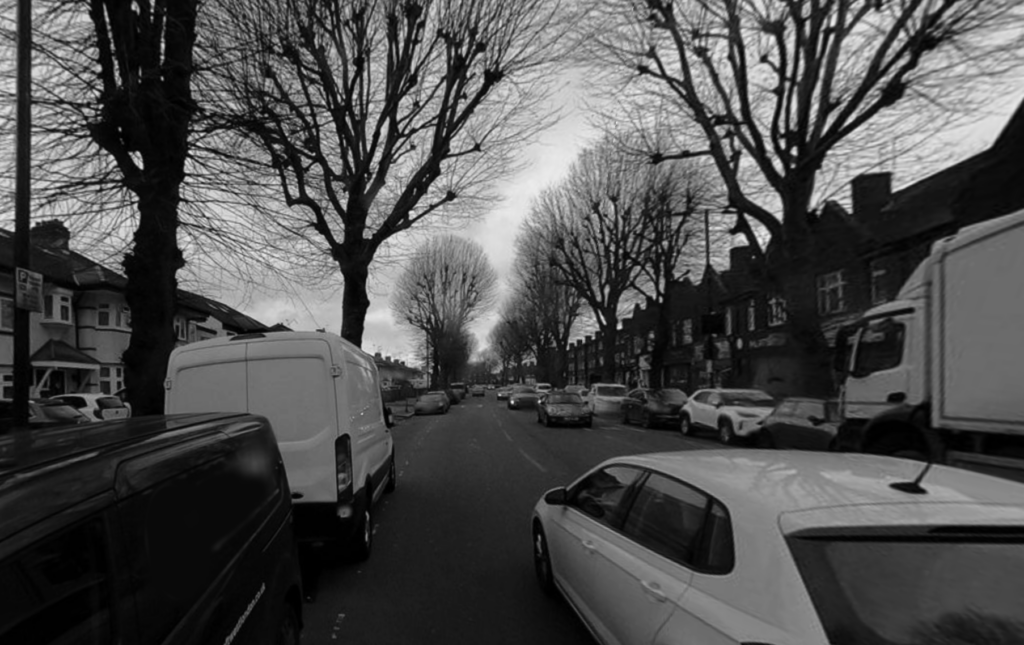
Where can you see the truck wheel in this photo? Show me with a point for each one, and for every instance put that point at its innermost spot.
(902, 444)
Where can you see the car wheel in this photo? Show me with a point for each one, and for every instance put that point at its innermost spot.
(542, 561)
(725, 432)
(625, 417)
(392, 475)
(765, 440)
(589, 423)
(899, 444)
(289, 632)
(646, 420)
(362, 539)
(685, 427)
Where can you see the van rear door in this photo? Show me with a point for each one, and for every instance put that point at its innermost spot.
(207, 380)
(290, 383)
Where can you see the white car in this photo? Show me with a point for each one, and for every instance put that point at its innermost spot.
(732, 547)
(543, 388)
(606, 398)
(732, 413)
(98, 407)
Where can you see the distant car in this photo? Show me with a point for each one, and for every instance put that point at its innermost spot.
(460, 389)
(653, 407)
(543, 388)
(99, 407)
(477, 390)
(755, 546)
(503, 393)
(563, 408)
(453, 396)
(734, 414)
(432, 403)
(800, 423)
(606, 398)
(522, 396)
(490, 386)
(577, 389)
(43, 413)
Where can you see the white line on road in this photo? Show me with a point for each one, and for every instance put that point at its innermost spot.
(533, 461)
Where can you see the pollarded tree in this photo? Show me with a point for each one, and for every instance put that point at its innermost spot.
(375, 115)
(776, 89)
(511, 345)
(445, 286)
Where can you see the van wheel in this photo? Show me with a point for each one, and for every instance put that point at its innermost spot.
(392, 475)
(362, 539)
(289, 632)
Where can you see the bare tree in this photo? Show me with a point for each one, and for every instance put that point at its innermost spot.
(374, 115)
(594, 225)
(444, 287)
(776, 88)
(544, 308)
(511, 344)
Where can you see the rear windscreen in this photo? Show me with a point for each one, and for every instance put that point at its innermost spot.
(915, 591)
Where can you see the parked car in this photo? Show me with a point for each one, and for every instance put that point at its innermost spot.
(754, 546)
(606, 398)
(322, 396)
(653, 407)
(98, 407)
(800, 423)
(734, 414)
(543, 388)
(453, 396)
(42, 413)
(153, 530)
(563, 408)
(490, 386)
(502, 393)
(477, 390)
(522, 396)
(460, 389)
(432, 403)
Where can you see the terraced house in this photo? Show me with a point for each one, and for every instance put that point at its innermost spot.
(78, 339)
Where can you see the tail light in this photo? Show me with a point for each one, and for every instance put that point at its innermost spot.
(343, 466)
(99, 413)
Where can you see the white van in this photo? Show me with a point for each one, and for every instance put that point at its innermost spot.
(322, 396)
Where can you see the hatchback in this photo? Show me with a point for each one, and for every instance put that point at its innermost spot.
(563, 408)
(432, 403)
(785, 548)
(652, 407)
(99, 407)
(800, 423)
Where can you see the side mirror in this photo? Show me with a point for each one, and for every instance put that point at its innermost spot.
(556, 497)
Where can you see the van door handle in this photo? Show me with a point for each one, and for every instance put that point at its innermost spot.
(654, 591)
(589, 546)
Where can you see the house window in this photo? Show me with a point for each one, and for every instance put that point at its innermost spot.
(57, 308)
(776, 311)
(831, 298)
(751, 315)
(126, 317)
(111, 378)
(879, 292)
(7, 386)
(180, 328)
(6, 315)
(687, 331)
(192, 332)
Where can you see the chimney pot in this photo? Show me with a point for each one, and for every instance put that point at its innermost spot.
(50, 234)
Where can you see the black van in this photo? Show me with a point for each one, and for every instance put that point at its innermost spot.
(166, 529)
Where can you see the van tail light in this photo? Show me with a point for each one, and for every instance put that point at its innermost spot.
(343, 466)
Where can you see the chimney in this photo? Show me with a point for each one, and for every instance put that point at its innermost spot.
(387, 358)
(870, 193)
(739, 260)
(50, 234)
(377, 355)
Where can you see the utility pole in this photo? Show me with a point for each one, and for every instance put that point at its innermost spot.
(709, 345)
(22, 218)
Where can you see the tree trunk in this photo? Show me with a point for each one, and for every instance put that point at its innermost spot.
(608, 340)
(662, 332)
(151, 293)
(355, 269)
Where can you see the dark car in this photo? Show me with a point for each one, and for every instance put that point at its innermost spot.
(157, 530)
(800, 423)
(563, 408)
(477, 390)
(522, 396)
(653, 407)
(432, 403)
(453, 396)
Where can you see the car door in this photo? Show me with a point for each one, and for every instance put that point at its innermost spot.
(780, 424)
(579, 538)
(704, 410)
(649, 560)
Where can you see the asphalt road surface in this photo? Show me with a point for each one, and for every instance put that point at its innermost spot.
(452, 557)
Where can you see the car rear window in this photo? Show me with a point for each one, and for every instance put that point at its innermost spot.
(610, 390)
(109, 403)
(564, 398)
(524, 389)
(915, 591)
(670, 396)
(59, 411)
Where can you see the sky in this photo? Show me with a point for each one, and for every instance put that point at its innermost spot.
(545, 162)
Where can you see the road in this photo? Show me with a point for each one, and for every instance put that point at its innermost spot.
(452, 554)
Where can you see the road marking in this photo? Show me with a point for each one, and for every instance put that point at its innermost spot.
(533, 461)
(337, 626)
(505, 433)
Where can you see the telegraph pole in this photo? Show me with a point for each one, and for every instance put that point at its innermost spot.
(22, 217)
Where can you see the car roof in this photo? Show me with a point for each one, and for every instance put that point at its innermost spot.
(771, 483)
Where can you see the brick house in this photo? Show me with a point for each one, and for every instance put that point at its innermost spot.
(78, 339)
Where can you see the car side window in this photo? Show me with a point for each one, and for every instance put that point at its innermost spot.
(713, 399)
(699, 397)
(58, 590)
(667, 517)
(718, 555)
(602, 493)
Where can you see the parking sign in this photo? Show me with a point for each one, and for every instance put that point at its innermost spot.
(29, 291)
